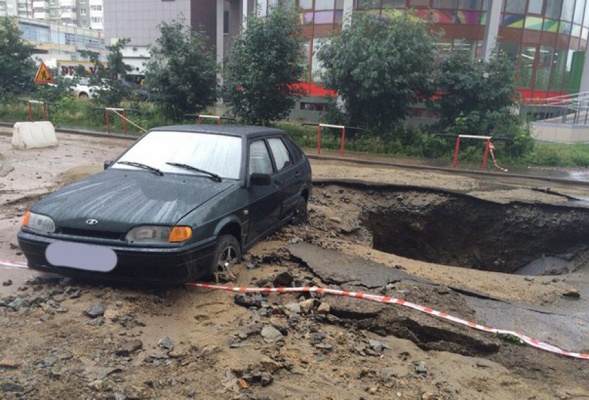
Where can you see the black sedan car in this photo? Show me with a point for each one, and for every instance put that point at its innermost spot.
(178, 205)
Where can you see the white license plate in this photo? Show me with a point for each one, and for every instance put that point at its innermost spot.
(81, 256)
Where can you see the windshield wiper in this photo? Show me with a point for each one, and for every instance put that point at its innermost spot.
(191, 168)
(143, 166)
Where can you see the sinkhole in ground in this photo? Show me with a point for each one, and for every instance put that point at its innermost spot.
(459, 230)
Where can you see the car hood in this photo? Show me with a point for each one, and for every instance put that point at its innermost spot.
(121, 199)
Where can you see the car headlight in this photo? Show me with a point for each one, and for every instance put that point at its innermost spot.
(159, 234)
(38, 222)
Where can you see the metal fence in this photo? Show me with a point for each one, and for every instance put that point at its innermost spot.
(571, 109)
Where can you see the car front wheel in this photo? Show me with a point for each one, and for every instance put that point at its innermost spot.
(227, 253)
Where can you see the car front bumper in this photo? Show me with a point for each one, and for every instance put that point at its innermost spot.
(161, 265)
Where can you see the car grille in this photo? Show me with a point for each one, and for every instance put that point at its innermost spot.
(92, 233)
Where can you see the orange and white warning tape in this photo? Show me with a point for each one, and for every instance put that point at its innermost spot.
(391, 300)
(491, 148)
(372, 297)
(116, 111)
(13, 264)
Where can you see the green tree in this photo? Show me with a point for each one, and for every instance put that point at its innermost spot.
(109, 80)
(18, 68)
(182, 73)
(468, 86)
(264, 66)
(60, 88)
(477, 98)
(379, 67)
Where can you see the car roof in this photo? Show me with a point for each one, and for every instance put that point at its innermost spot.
(230, 130)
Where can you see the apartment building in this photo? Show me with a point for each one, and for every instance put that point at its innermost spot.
(80, 13)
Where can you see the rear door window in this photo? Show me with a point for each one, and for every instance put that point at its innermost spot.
(280, 152)
(259, 160)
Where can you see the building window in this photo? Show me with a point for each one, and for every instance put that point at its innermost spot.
(515, 6)
(526, 70)
(510, 49)
(558, 71)
(470, 4)
(451, 4)
(470, 47)
(544, 68)
(367, 4)
(394, 3)
(568, 7)
(553, 8)
(96, 8)
(313, 106)
(535, 6)
(316, 65)
(306, 4)
(323, 4)
(578, 19)
(83, 11)
(226, 22)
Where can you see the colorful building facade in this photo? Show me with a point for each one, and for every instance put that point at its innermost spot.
(546, 38)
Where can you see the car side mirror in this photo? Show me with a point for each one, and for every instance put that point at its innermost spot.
(108, 163)
(260, 179)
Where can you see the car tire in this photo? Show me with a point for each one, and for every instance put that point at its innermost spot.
(301, 214)
(227, 253)
(83, 95)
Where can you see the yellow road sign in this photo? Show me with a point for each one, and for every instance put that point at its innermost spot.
(43, 75)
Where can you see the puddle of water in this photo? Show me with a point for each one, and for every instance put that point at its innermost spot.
(579, 175)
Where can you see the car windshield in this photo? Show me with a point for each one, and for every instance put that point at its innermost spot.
(218, 154)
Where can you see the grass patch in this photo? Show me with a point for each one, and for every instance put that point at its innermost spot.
(559, 155)
(407, 141)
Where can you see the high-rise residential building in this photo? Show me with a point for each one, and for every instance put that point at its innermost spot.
(547, 39)
(8, 8)
(96, 14)
(81, 13)
(24, 8)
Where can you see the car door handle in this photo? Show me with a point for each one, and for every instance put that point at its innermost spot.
(278, 183)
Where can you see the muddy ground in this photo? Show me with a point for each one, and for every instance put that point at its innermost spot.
(431, 237)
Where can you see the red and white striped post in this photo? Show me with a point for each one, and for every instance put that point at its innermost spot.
(456, 150)
(343, 138)
(107, 117)
(319, 139)
(487, 147)
(217, 117)
(44, 105)
(341, 151)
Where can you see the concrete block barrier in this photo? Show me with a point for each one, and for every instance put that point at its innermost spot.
(29, 135)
